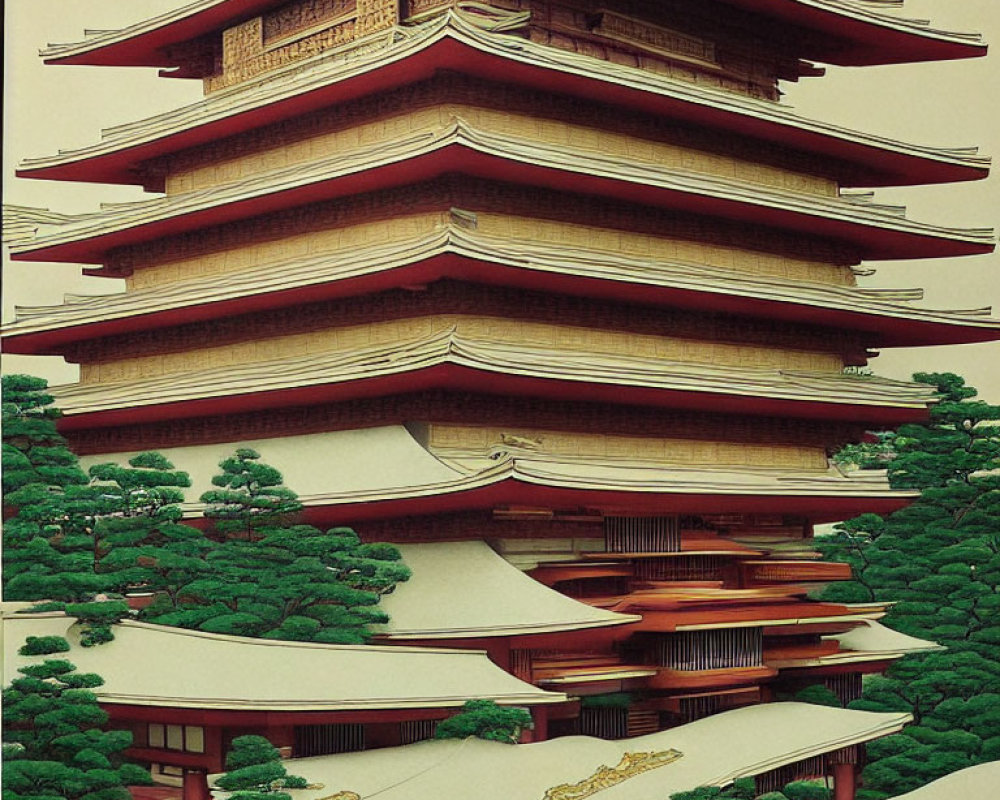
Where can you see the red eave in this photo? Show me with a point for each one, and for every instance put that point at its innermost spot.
(839, 38)
(453, 377)
(671, 620)
(874, 242)
(886, 331)
(880, 166)
(818, 508)
(147, 49)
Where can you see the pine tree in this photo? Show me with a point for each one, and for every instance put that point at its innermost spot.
(278, 580)
(939, 559)
(143, 543)
(255, 771)
(49, 509)
(54, 746)
(484, 719)
(250, 496)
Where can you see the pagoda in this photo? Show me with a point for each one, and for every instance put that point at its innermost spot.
(554, 294)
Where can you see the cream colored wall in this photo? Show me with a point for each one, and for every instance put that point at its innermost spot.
(237, 166)
(336, 239)
(664, 248)
(209, 255)
(445, 439)
(556, 337)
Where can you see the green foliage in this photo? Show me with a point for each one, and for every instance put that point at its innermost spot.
(250, 496)
(484, 719)
(74, 540)
(46, 538)
(806, 790)
(612, 700)
(43, 646)
(142, 541)
(939, 559)
(278, 580)
(53, 742)
(96, 619)
(254, 768)
(741, 789)
(819, 695)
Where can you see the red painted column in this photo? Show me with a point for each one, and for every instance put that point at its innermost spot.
(843, 782)
(196, 785)
(540, 732)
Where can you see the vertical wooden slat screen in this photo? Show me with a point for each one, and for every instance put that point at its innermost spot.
(642, 534)
(321, 740)
(520, 664)
(604, 723)
(416, 730)
(715, 649)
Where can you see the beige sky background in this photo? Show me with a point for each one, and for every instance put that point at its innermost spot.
(947, 104)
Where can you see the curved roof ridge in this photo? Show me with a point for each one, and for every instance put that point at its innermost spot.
(142, 43)
(268, 186)
(330, 67)
(448, 347)
(610, 266)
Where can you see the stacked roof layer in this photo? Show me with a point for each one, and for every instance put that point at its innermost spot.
(692, 263)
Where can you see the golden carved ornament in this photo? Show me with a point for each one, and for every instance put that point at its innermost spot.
(632, 764)
(345, 795)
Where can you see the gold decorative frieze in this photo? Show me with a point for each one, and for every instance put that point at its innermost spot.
(302, 16)
(631, 764)
(658, 39)
(289, 33)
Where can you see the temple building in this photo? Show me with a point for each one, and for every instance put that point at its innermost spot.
(557, 296)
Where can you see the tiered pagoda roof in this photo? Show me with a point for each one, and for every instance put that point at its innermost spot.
(848, 32)
(455, 41)
(598, 321)
(455, 253)
(414, 482)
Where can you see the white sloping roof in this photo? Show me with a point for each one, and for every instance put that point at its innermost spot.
(715, 751)
(153, 665)
(387, 463)
(873, 637)
(972, 783)
(341, 461)
(462, 589)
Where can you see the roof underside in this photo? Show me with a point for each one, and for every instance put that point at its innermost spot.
(452, 42)
(857, 33)
(836, 31)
